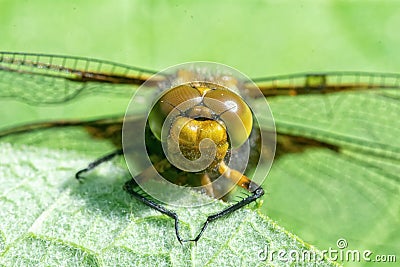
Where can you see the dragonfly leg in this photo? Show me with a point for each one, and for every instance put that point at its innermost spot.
(254, 196)
(129, 187)
(242, 181)
(97, 162)
(231, 174)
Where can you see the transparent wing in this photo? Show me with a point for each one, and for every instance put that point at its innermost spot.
(49, 79)
(324, 83)
(362, 116)
(351, 109)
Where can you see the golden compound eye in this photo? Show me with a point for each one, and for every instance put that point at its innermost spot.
(183, 96)
(233, 111)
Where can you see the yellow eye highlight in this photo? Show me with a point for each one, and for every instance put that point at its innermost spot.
(233, 111)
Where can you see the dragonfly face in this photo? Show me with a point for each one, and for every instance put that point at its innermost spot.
(367, 147)
(200, 112)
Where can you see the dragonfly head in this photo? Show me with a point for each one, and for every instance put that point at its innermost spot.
(199, 122)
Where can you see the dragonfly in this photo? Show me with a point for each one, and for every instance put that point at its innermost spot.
(42, 79)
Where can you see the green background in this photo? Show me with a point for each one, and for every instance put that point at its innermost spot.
(260, 38)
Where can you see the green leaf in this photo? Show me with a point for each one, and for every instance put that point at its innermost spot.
(49, 219)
